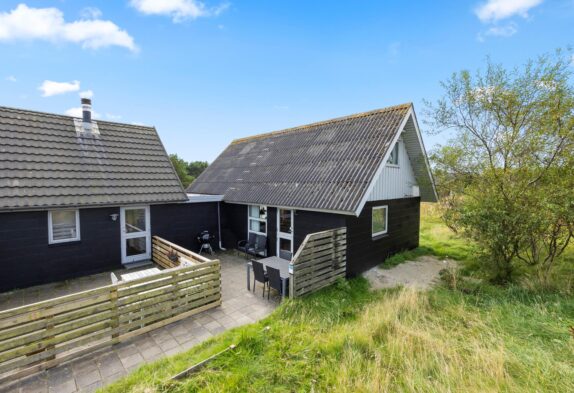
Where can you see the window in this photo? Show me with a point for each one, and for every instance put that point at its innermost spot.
(257, 219)
(394, 157)
(63, 226)
(380, 220)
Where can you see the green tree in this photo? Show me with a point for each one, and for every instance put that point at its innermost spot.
(180, 166)
(507, 173)
(194, 168)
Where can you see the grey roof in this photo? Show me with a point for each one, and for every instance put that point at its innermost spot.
(324, 166)
(45, 163)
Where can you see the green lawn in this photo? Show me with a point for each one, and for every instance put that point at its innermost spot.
(477, 338)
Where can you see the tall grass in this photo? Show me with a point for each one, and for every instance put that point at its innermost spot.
(348, 339)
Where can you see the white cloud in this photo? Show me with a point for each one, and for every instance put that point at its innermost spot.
(502, 31)
(51, 88)
(11, 78)
(91, 13)
(77, 112)
(86, 94)
(494, 10)
(178, 10)
(48, 24)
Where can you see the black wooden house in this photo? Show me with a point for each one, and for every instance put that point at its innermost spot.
(367, 172)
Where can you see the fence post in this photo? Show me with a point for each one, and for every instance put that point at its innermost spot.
(49, 334)
(115, 318)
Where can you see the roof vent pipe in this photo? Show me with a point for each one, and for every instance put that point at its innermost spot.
(87, 114)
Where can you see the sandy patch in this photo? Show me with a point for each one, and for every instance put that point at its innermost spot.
(421, 273)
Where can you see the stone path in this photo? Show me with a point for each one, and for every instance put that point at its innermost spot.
(91, 372)
(421, 273)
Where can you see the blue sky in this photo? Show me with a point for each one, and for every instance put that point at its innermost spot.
(206, 72)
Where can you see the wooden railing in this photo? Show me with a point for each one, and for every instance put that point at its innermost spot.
(162, 251)
(44, 334)
(320, 261)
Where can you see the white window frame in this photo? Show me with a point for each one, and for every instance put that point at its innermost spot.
(396, 149)
(50, 228)
(249, 218)
(376, 234)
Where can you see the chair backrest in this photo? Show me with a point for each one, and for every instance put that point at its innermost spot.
(274, 277)
(261, 242)
(258, 271)
(251, 238)
(285, 255)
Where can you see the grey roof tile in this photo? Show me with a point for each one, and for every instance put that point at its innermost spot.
(45, 164)
(325, 166)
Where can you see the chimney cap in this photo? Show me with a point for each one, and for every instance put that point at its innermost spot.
(87, 101)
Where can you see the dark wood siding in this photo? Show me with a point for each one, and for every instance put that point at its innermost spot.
(27, 259)
(307, 222)
(180, 223)
(233, 224)
(364, 251)
(271, 231)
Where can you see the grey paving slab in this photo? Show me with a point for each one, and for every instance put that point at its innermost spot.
(87, 374)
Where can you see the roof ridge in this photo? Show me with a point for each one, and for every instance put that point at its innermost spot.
(323, 122)
(58, 115)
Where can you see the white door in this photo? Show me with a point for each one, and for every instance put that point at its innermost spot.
(135, 229)
(285, 233)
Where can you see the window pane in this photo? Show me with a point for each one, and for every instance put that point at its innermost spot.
(64, 225)
(285, 244)
(135, 220)
(257, 226)
(135, 246)
(394, 157)
(379, 220)
(285, 221)
(256, 211)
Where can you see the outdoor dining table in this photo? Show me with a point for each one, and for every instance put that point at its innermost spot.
(278, 263)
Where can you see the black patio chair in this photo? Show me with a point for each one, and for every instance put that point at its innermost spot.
(259, 275)
(255, 245)
(287, 255)
(260, 245)
(274, 281)
(245, 245)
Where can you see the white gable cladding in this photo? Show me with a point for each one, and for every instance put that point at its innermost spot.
(395, 182)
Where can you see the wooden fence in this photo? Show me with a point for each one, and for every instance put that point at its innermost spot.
(163, 253)
(319, 261)
(41, 335)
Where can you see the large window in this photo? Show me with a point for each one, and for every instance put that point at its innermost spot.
(257, 219)
(394, 157)
(380, 221)
(63, 226)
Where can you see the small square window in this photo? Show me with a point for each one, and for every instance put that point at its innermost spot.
(380, 221)
(63, 226)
